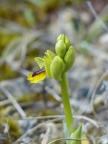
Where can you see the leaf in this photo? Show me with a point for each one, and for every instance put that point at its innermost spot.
(76, 135)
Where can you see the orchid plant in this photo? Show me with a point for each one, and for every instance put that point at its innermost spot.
(55, 66)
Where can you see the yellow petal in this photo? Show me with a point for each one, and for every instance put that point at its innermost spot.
(35, 78)
(29, 77)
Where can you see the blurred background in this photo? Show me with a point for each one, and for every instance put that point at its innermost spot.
(27, 29)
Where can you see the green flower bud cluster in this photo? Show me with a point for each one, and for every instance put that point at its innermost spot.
(54, 64)
(65, 58)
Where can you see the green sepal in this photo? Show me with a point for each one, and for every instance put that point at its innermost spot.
(60, 48)
(76, 135)
(49, 54)
(47, 64)
(40, 62)
(57, 67)
(69, 58)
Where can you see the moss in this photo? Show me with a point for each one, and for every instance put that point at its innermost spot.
(25, 98)
(47, 112)
(14, 129)
(6, 72)
(49, 97)
(5, 39)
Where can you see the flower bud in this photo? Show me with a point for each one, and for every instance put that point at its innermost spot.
(61, 37)
(56, 68)
(60, 48)
(69, 58)
(65, 40)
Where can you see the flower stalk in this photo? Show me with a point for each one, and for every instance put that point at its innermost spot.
(66, 104)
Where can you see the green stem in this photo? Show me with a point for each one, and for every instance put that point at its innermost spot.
(66, 104)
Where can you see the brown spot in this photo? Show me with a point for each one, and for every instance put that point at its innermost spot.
(38, 72)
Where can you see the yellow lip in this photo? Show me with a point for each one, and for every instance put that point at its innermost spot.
(37, 76)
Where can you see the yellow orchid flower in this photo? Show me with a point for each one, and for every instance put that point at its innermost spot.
(37, 76)
(44, 64)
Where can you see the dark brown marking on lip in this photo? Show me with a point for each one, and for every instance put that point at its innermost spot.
(38, 72)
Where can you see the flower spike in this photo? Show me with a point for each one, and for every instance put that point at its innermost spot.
(54, 64)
